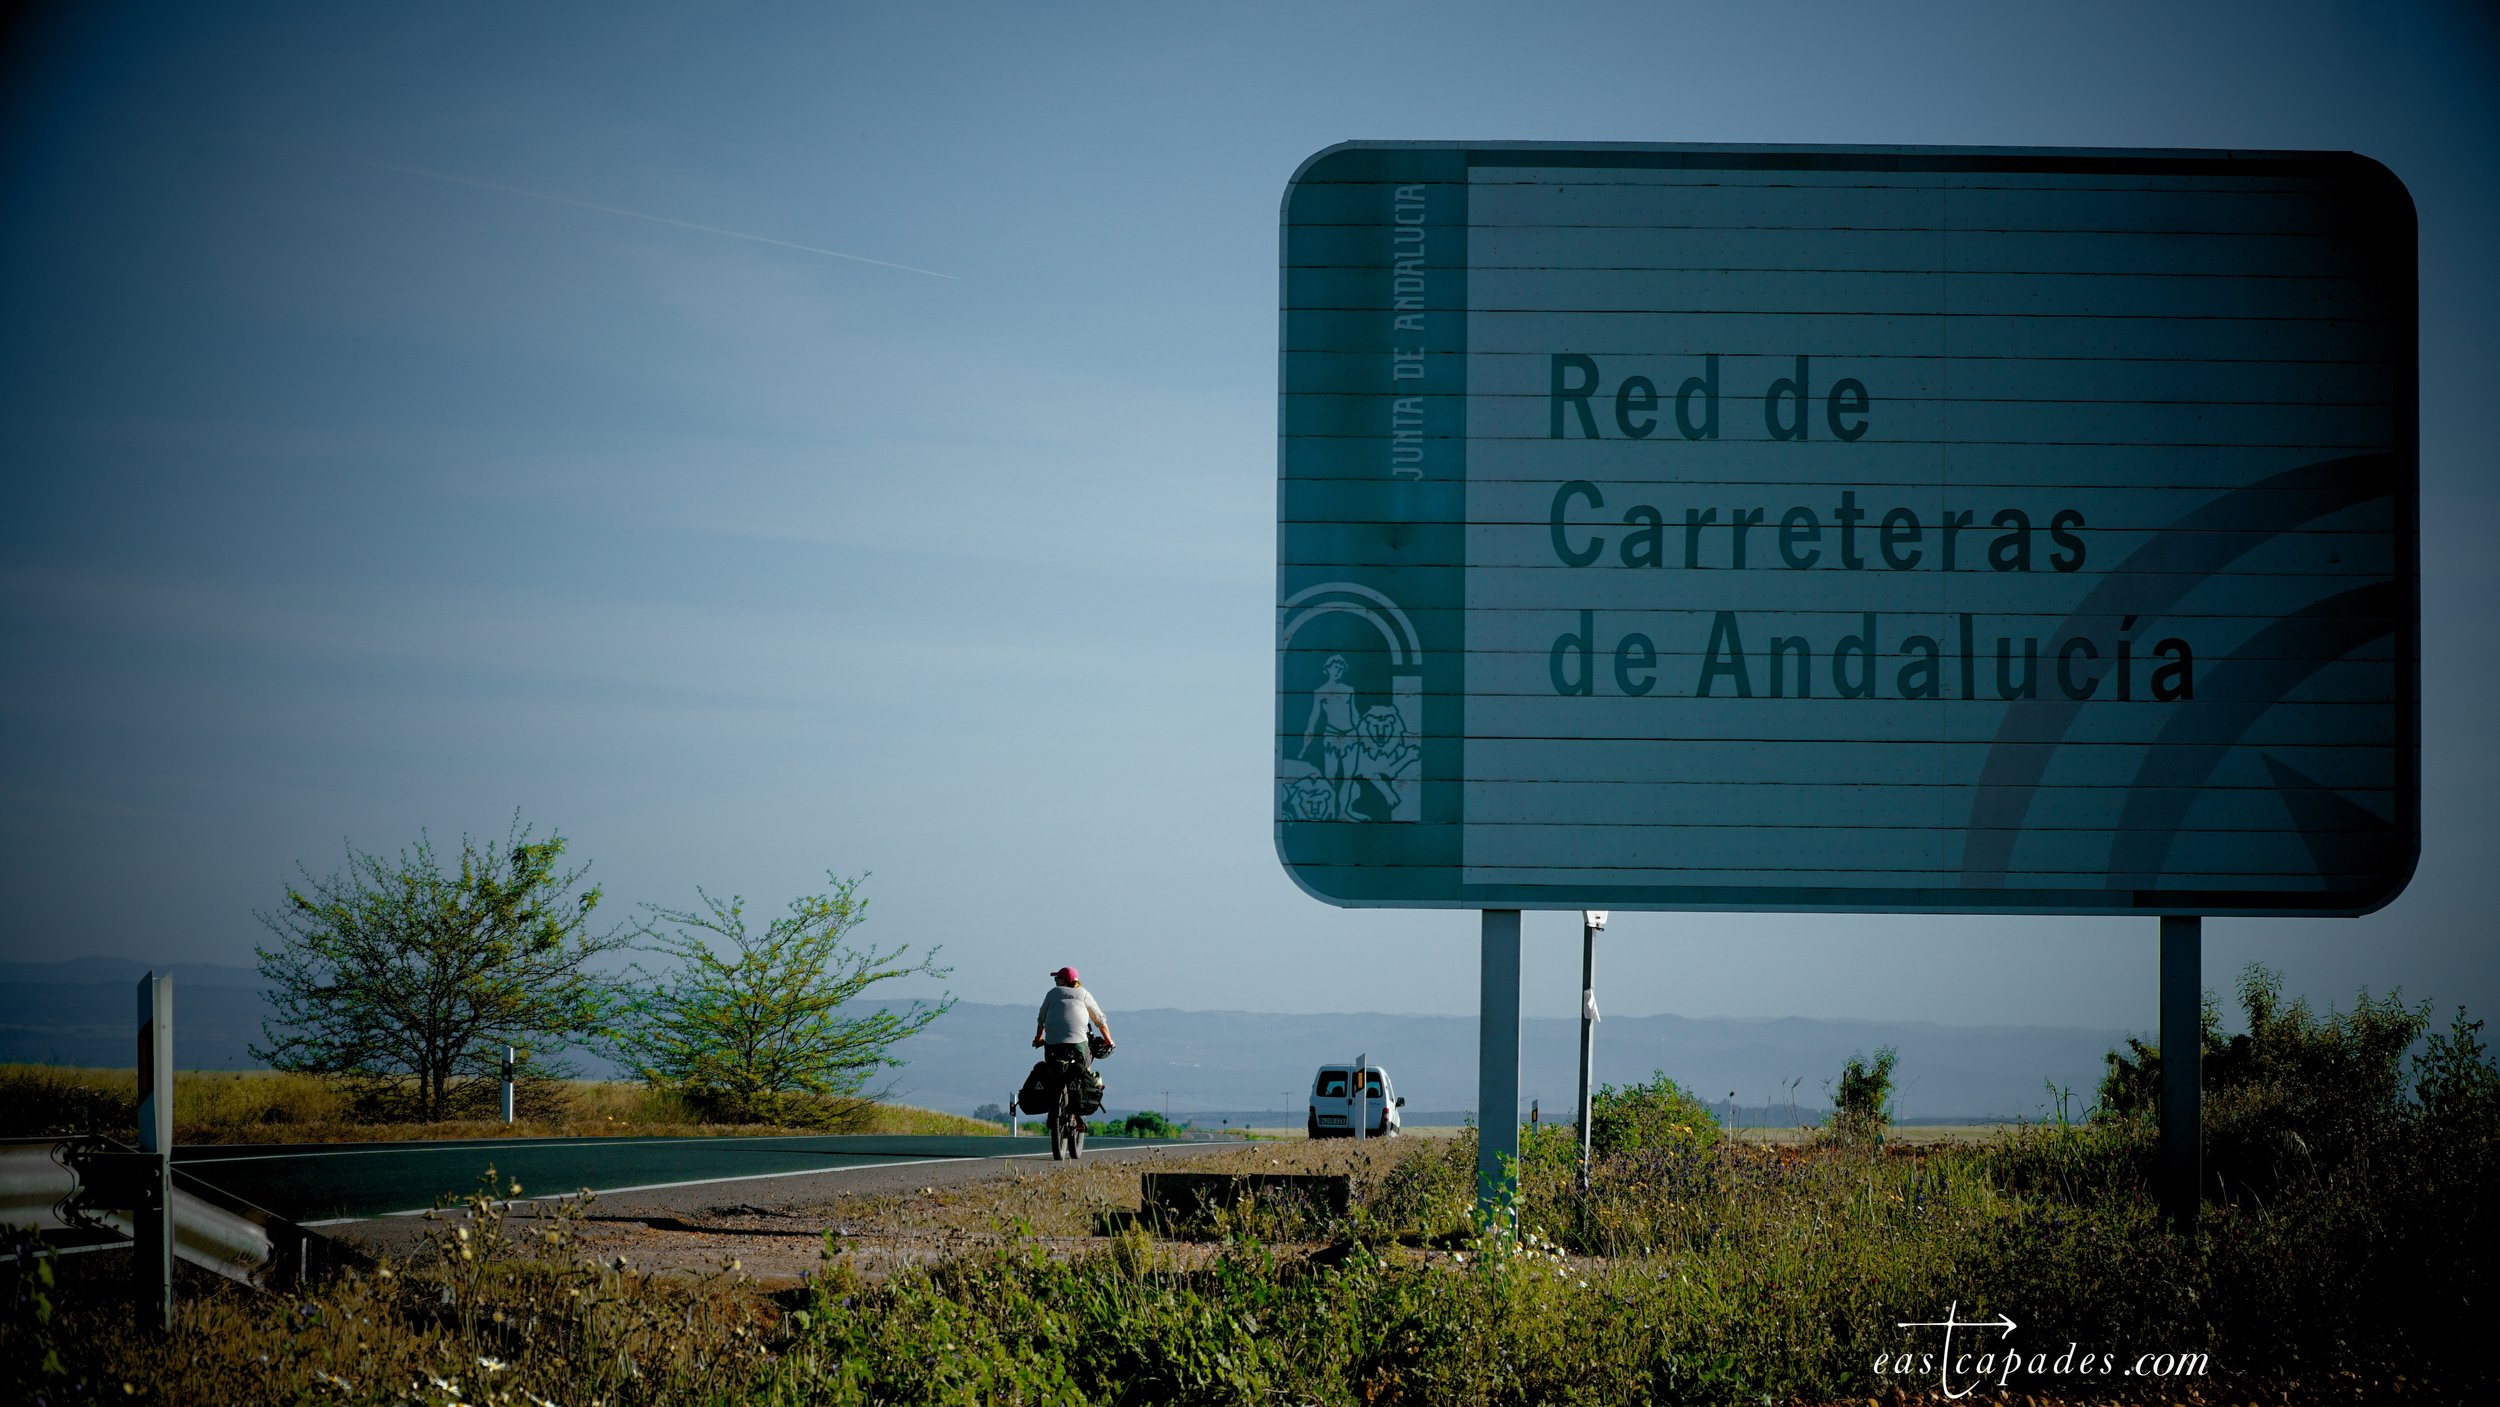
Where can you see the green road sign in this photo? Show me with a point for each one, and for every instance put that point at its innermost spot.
(1850, 529)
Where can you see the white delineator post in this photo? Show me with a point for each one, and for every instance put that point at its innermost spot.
(1362, 1098)
(507, 1084)
(152, 1224)
(1591, 920)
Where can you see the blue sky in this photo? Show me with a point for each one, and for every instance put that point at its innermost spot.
(361, 477)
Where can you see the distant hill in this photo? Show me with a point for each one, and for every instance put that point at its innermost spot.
(83, 1012)
(1236, 1063)
(1240, 1062)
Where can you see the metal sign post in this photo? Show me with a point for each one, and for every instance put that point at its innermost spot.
(1591, 921)
(1497, 1066)
(2181, 1160)
(152, 1222)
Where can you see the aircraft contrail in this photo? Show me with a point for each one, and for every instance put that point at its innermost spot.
(640, 215)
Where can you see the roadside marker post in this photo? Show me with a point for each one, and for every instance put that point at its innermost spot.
(1362, 1097)
(152, 1221)
(2181, 1159)
(1591, 921)
(507, 1084)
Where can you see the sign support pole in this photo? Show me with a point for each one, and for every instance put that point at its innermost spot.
(152, 1222)
(1497, 1066)
(1590, 921)
(2181, 1160)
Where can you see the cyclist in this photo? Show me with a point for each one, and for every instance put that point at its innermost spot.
(1067, 1010)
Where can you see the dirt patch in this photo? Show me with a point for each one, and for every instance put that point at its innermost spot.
(883, 1218)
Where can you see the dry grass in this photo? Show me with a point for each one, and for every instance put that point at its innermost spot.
(267, 1106)
(1913, 1135)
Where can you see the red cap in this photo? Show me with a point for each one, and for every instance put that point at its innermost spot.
(1067, 972)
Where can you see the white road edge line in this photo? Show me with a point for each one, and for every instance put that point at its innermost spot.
(700, 1182)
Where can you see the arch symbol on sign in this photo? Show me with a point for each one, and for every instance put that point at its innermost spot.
(1351, 734)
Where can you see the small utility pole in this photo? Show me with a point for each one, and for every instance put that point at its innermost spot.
(1591, 921)
(152, 1221)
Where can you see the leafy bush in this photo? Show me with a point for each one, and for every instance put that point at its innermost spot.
(1145, 1123)
(1862, 1106)
(2296, 1088)
(2454, 1077)
(1659, 1114)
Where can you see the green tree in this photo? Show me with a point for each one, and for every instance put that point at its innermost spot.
(1862, 1106)
(757, 1025)
(407, 981)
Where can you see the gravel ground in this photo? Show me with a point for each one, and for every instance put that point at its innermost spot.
(887, 1216)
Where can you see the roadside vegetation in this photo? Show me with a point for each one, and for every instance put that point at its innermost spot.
(403, 981)
(268, 1106)
(2349, 1243)
(758, 1033)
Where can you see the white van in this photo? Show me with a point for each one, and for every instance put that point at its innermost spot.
(1332, 1102)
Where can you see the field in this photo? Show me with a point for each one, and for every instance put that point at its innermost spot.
(1721, 1272)
(2348, 1249)
(262, 1106)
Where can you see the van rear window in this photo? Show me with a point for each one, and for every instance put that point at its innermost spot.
(1332, 1084)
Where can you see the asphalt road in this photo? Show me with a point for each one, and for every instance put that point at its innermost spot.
(326, 1182)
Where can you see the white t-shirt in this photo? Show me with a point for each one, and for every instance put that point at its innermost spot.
(1064, 1014)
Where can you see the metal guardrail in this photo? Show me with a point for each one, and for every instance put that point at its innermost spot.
(81, 1193)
